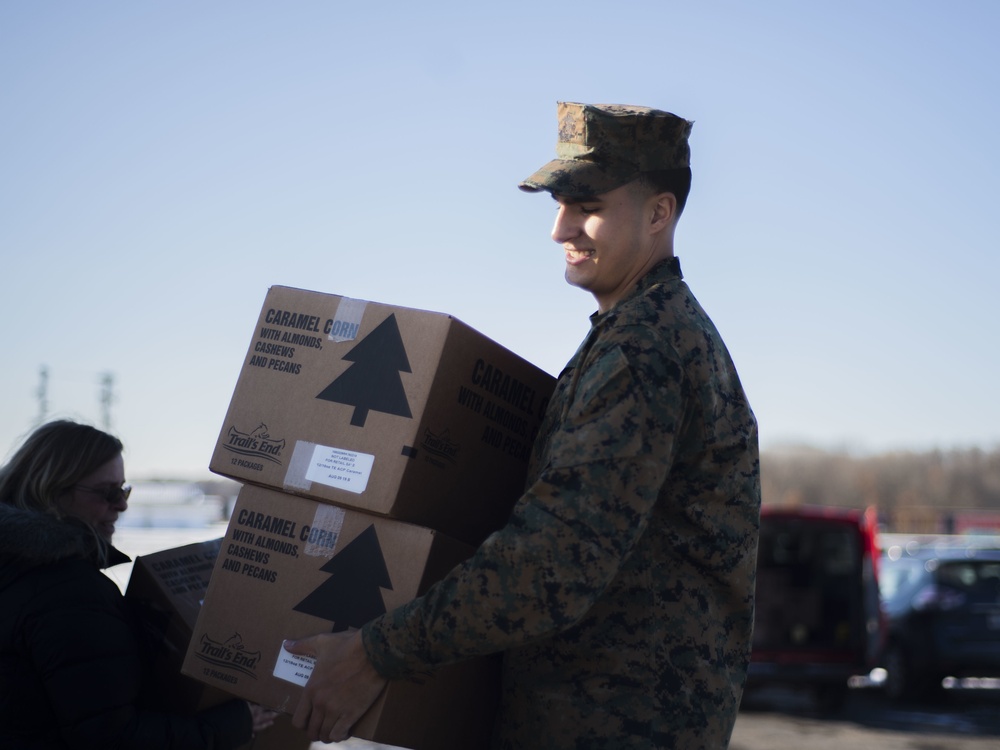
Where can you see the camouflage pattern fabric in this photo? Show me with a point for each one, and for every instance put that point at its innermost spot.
(603, 146)
(621, 590)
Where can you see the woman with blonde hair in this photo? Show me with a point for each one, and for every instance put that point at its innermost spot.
(73, 659)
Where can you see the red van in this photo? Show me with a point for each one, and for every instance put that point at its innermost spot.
(817, 619)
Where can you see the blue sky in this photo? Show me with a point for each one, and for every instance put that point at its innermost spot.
(164, 163)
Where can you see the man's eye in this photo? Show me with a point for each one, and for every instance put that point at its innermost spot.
(587, 210)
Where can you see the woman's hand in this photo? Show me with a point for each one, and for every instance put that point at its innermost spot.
(262, 717)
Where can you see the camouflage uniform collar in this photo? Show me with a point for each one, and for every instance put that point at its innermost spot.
(666, 270)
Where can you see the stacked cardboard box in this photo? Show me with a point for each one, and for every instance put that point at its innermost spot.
(166, 589)
(291, 567)
(389, 410)
(379, 445)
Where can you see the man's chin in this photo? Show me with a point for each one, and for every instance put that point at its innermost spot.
(574, 278)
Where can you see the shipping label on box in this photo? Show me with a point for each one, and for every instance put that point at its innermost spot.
(398, 412)
(292, 567)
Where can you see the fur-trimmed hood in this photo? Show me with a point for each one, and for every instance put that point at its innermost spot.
(29, 539)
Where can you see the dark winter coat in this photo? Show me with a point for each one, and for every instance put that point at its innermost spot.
(72, 660)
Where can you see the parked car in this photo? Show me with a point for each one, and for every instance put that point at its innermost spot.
(817, 620)
(942, 612)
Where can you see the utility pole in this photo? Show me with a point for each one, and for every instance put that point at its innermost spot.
(42, 393)
(107, 398)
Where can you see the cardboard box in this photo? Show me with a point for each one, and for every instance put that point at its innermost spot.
(166, 590)
(291, 567)
(393, 411)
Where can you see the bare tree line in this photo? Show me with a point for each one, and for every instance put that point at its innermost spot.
(918, 492)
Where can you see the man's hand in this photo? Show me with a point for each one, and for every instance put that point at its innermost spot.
(343, 685)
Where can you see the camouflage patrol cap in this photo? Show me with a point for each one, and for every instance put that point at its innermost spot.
(604, 146)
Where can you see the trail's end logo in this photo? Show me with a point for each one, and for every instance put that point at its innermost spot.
(229, 654)
(255, 444)
(440, 445)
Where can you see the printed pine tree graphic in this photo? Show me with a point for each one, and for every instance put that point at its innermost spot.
(352, 595)
(373, 381)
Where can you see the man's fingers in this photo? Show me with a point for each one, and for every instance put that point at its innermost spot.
(342, 729)
(302, 646)
(328, 732)
(300, 719)
(342, 686)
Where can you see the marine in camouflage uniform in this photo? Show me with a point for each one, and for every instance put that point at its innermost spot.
(621, 589)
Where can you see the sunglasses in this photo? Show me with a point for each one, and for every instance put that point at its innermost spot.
(110, 494)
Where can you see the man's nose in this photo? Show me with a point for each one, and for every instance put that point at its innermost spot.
(565, 227)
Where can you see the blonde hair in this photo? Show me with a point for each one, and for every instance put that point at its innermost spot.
(51, 461)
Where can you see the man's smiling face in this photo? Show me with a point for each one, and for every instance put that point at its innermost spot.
(606, 239)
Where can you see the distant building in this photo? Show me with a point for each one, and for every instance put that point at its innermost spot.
(178, 504)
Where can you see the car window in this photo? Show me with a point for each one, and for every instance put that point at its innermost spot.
(841, 552)
(833, 550)
(980, 581)
(899, 577)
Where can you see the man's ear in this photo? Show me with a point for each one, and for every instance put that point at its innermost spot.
(664, 210)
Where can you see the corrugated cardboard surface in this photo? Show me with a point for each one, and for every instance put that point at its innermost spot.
(166, 589)
(291, 567)
(390, 410)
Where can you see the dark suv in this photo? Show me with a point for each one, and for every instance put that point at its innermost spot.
(942, 611)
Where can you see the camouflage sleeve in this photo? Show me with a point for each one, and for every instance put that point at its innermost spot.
(571, 531)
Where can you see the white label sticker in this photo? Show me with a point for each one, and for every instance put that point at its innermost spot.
(293, 668)
(345, 470)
